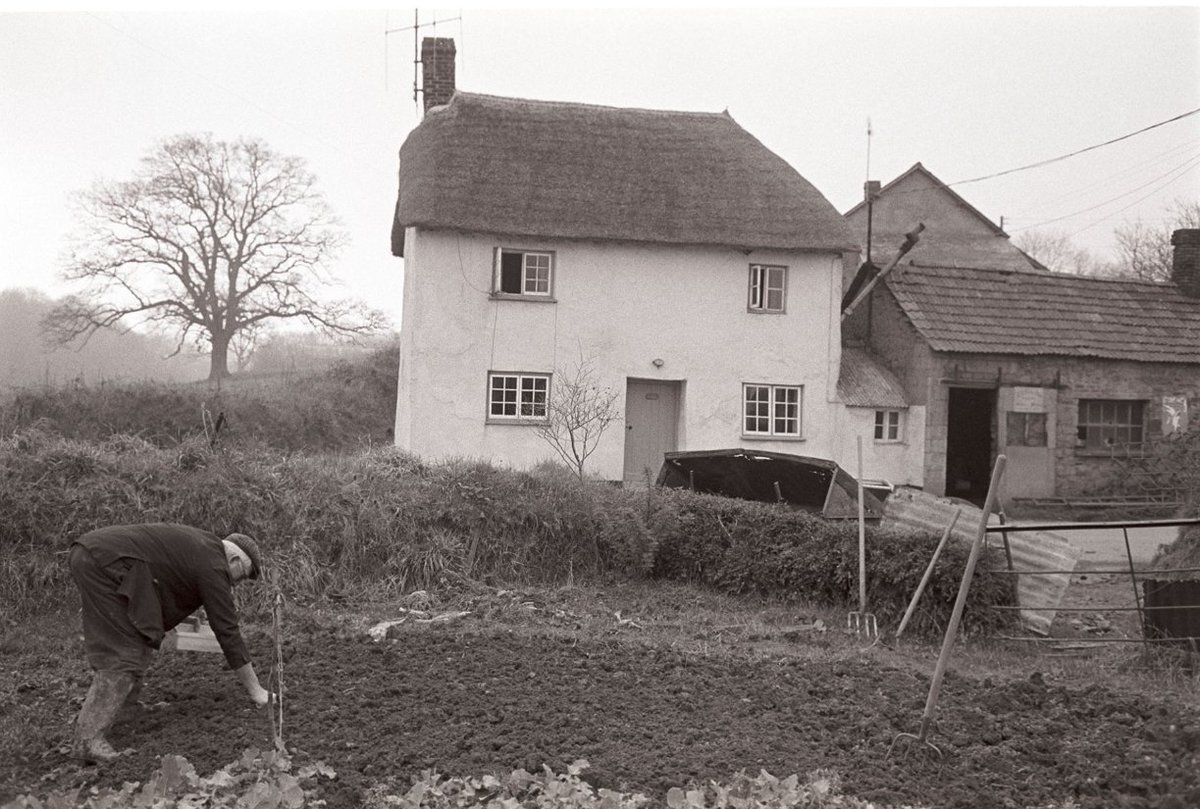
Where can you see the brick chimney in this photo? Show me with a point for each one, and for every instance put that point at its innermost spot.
(437, 70)
(1185, 262)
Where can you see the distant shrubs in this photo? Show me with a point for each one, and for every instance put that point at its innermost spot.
(381, 522)
(348, 405)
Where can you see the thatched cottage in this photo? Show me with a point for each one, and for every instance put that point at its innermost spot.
(692, 272)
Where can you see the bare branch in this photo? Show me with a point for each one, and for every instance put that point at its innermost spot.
(1058, 253)
(1146, 250)
(209, 239)
(578, 412)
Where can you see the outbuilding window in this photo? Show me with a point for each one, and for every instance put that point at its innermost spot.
(1110, 424)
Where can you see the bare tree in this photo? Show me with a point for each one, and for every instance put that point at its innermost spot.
(1146, 249)
(578, 411)
(1055, 250)
(209, 240)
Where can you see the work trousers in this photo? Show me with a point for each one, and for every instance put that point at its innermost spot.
(111, 640)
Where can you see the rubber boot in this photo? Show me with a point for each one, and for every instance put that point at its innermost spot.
(105, 697)
(133, 705)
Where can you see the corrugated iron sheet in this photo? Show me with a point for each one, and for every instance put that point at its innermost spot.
(1037, 594)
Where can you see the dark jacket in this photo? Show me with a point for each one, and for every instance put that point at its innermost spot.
(173, 570)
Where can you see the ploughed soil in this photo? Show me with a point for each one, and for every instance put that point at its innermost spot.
(655, 686)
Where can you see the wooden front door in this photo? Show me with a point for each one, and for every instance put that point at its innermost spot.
(651, 427)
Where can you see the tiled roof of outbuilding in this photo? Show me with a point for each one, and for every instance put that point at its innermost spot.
(552, 169)
(967, 310)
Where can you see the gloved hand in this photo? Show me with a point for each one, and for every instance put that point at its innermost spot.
(262, 696)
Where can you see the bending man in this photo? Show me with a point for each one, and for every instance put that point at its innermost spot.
(136, 583)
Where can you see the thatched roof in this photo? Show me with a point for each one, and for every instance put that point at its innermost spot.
(865, 381)
(1047, 314)
(562, 170)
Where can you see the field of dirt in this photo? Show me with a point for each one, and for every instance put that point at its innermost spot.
(654, 689)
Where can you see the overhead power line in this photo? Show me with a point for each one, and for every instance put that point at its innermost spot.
(1178, 171)
(1117, 176)
(1078, 151)
(1146, 197)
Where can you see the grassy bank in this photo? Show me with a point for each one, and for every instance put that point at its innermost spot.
(381, 522)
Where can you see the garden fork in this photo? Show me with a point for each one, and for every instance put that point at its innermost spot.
(862, 622)
(919, 737)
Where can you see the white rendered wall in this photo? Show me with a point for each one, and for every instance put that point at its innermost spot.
(901, 463)
(619, 306)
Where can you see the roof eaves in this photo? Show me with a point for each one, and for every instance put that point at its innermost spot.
(833, 247)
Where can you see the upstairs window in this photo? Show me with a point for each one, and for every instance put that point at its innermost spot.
(523, 272)
(887, 426)
(1107, 424)
(771, 410)
(768, 288)
(517, 397)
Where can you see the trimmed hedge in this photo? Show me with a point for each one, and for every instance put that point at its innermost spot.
(744, 547)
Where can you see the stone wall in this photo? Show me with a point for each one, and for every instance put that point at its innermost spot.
(1077, 471)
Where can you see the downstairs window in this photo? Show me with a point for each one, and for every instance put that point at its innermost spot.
(771, 410)
(516, 397)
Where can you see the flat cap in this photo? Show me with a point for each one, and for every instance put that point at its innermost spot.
(250, 547)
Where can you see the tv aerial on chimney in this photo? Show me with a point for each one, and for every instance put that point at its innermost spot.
(416, 29)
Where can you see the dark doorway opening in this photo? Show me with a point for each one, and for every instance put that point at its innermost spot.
(970, 422)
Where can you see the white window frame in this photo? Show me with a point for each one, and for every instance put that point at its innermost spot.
(767, 289)
(537, 273)
(523, 397)
(772, 411)
(889, 426)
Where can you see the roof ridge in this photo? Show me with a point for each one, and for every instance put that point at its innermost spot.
(1056, 276)
(516, 100)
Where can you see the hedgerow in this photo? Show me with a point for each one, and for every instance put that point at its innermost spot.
(381, 521)
(744, 547)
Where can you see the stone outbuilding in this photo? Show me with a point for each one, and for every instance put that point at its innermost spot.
(1072, 378)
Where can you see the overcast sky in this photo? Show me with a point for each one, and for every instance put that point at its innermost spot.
(967, 91)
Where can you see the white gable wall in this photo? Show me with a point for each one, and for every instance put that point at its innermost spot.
(620, 306)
